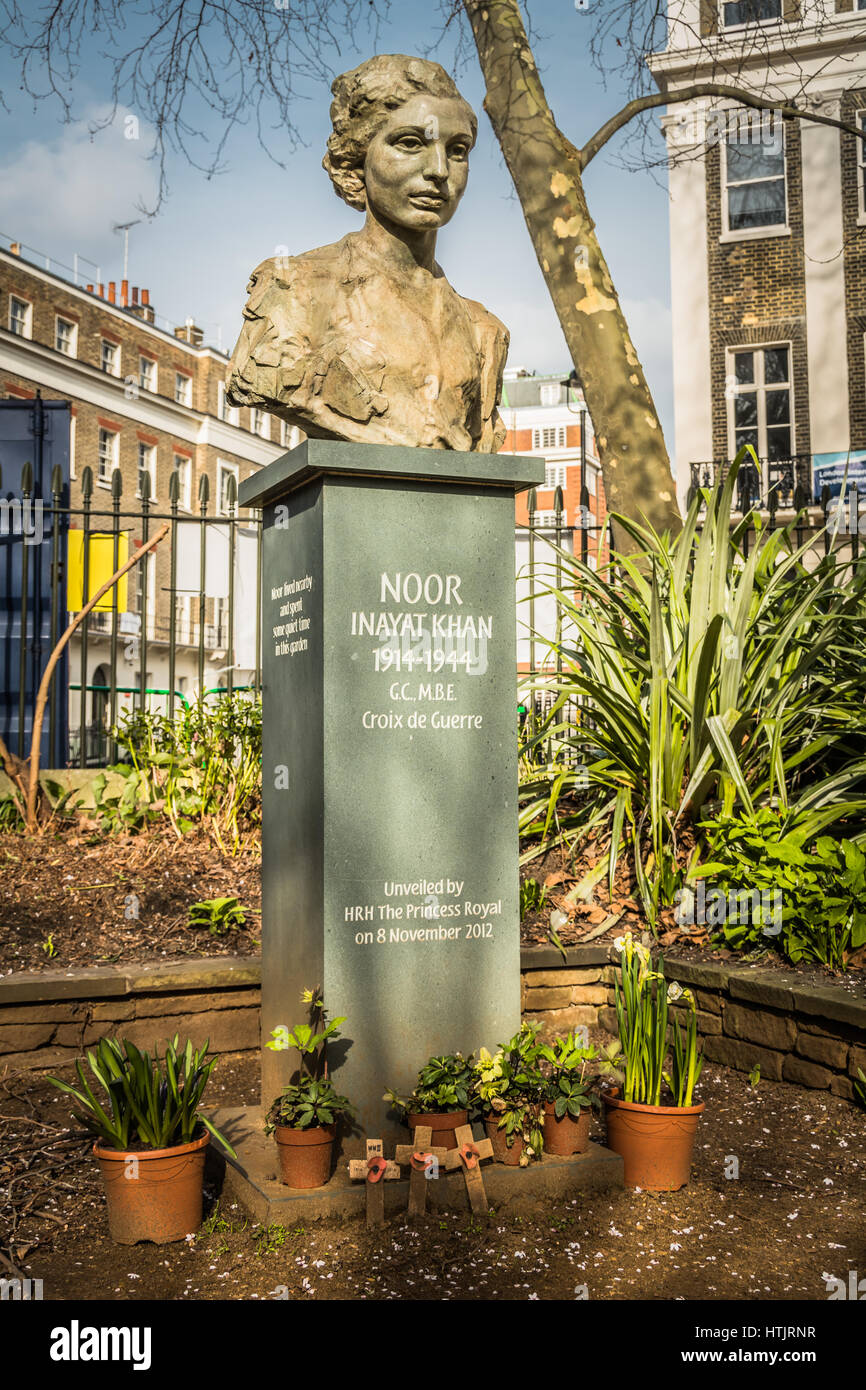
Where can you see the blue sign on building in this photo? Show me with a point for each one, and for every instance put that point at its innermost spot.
(34, 440)
(830, 469)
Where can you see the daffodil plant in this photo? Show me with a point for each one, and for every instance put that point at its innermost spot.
(642, 999)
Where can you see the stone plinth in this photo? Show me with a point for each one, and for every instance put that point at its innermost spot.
(389, 756)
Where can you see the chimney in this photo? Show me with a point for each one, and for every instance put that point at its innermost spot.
(15, 248)
(141, 308)
(89, 289)
(100, 290)
(124, 293)
(111, 291)
(189, 332)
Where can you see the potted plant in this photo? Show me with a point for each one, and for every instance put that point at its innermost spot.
(655, 1140)
(573, 1074)
(151, 1136)
(510, 1091)
(305, 1115)
(441, 1098)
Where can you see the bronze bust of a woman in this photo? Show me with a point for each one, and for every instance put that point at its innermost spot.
(365, 340)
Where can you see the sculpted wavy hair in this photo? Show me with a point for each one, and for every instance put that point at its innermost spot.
(362, 100)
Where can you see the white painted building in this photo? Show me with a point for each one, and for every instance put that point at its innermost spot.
(768, 240)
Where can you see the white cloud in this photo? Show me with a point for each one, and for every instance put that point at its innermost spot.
(65, 194)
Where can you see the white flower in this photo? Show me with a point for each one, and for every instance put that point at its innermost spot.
(675, 991)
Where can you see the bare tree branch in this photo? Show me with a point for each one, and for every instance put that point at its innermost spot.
(705, 89)
(175, 64)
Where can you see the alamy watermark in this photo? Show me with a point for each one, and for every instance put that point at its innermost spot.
(21, 1290)
(22, 517)
(713, 907)
(843, 514)
(751, 127)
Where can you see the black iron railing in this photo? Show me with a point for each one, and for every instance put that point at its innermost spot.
(775, 485)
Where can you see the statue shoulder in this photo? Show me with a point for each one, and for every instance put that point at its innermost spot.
(288, 298)
(492, 329)
(296, 271)
(493, 339)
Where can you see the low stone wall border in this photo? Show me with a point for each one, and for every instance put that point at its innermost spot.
(814, 1036)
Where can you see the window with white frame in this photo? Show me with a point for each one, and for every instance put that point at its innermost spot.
(861, 158)
(260, 422)
(182, 624)
(555, 475)
(226, 412)
(65, 336)
(760, 398)
(146, 567)
(107, 455)
(290, 435)
(146, 373)
(146, 466)
(226, 471)
(221, 621)
(183, 469)
(737, 12)
(20, 317)
(109, 359)
(754, 174)
(182, 388)
(550, 393)
(549, 437)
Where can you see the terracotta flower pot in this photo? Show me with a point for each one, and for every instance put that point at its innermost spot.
(501, 1152)
(153, 1194)
(565, 1136)
(655, 1141)
(305, 1154)
(443, 1126)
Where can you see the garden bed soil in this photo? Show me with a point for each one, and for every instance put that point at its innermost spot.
(774, 1209)
(69, 900)
(83, 898)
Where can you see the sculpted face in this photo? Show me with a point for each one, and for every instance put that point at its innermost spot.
(417, 163)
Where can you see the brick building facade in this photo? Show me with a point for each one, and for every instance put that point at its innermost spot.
(142, 399)
(768, 241)
(545, 416)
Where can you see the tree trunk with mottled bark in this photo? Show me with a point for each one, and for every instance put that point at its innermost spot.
(547, 170)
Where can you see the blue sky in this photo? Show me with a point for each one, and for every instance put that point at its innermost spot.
(63, 190)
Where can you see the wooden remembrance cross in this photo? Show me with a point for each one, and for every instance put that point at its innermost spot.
(375, 1170)
(423, 1164)
(469, 1153)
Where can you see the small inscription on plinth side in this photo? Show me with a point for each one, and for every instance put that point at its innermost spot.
(290, 625)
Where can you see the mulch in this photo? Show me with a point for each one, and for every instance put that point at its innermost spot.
(774, 1209)
(83, 898)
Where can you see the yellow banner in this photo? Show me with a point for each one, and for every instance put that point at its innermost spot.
(102, 567)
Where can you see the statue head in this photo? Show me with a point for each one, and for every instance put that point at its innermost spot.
(400, 141)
